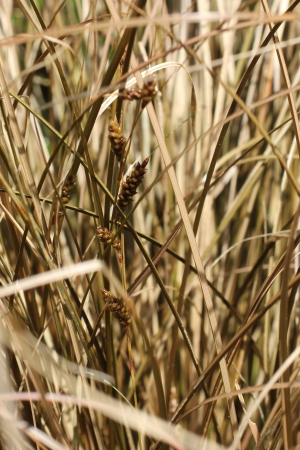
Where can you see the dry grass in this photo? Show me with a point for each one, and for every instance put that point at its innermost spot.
(149, 247)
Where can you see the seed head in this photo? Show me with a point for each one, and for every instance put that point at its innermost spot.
(68, 188)
(146, 94)
(106, 236)
(67, 191)
(129, 187)
(117, 139)
(117, 306)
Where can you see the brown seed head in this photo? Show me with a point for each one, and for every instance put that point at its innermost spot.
(67, 191)
(106, 236)
(149, 92)
(129, 187)
(68, 188)
(117, 306)
(146, 94)
(117, 139)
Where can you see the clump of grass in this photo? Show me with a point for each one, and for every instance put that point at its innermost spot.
(188, 329)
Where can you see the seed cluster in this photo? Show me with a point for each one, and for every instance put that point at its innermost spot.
(67, 191)
(117, 139)
(129, 187)
(68, 188)
(147, 93)
(106, 236)
(117, 306)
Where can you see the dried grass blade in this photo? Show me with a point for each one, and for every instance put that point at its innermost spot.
(252, 425)
(195, 252)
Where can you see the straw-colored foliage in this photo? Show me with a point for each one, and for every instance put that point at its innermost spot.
(149, 215)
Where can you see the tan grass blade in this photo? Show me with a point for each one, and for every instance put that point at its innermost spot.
(94, 399)
(286, 364)
(50, 277)
(287, 420)
(194, 249)
(252, 425)
(112, 97)
(27, 176)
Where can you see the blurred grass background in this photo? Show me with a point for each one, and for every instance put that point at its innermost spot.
(209, 262)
